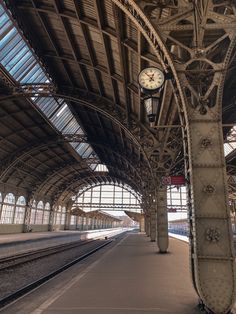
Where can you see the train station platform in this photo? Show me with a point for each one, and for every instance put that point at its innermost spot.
(130, 278)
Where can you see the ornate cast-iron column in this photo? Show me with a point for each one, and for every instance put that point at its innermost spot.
(142, 223)
(26, 224)
(51, 218)
(153, 221)
(147, 219)
(162, 220)
(195, 40)
(203, 74)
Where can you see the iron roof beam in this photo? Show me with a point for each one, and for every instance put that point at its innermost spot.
(123, 59)
(74, 51)
(52, 42)
(89, 48)
(106, 51)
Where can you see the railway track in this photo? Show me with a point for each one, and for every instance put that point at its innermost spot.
(20, 259)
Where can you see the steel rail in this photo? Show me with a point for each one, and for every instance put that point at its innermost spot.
(21, 258)
(30, 287)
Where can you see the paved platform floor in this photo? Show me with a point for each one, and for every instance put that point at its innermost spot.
(130, 278)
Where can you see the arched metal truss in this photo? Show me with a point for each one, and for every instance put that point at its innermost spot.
(127, 188)
(194, 42)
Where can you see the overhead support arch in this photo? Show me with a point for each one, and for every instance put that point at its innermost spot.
(74, 185)
(46, 177)
(213, 269)
(11, 161)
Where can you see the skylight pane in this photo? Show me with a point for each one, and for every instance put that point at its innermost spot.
(5, 24)
(41, 78)
(48, 105)
(88, 152)
(227, 149)
(80, 131)
(82, 148)
(15, 71)
(93, 166)
(101, 168)
(10, 44)
(12, 58)
(74, 144)
(62, 117)
(32, 74)
(22, 64)
(23, 69)
(71, 127)
(7, 38)
(9, 41)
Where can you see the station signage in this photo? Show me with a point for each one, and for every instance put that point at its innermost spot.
(173, 180)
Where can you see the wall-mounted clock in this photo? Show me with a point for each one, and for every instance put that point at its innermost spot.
(151, 79)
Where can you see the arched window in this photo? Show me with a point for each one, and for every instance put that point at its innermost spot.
(60, 215)
(73, 220)
(57, 216)
(8, 208)
(63, 215)
(112, 198)
(39, 213)
(46, 214)
(20, 210)
(47, 206)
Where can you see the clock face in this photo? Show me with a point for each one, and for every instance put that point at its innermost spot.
(151, 78)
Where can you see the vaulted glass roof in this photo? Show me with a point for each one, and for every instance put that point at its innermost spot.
(20, 61)
(15, 54)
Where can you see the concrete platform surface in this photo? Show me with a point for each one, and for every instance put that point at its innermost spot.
(130, 278)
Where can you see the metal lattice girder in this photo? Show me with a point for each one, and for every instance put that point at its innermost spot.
(196, 66)
(194, 43)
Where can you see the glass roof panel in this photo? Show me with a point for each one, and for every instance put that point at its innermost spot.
(61, 117)
(101, 168)
(23, 65)
(72, 127)
(88, 152)
(82, 148)
(74, 144)
(11, 59)
(48, 105)
(29, 65)
(9, 43)
(5, 24)
(93, 166)
(7, 37)
(32, 74)
(227, 149)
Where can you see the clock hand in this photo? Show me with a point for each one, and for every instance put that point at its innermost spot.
(147, 75)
